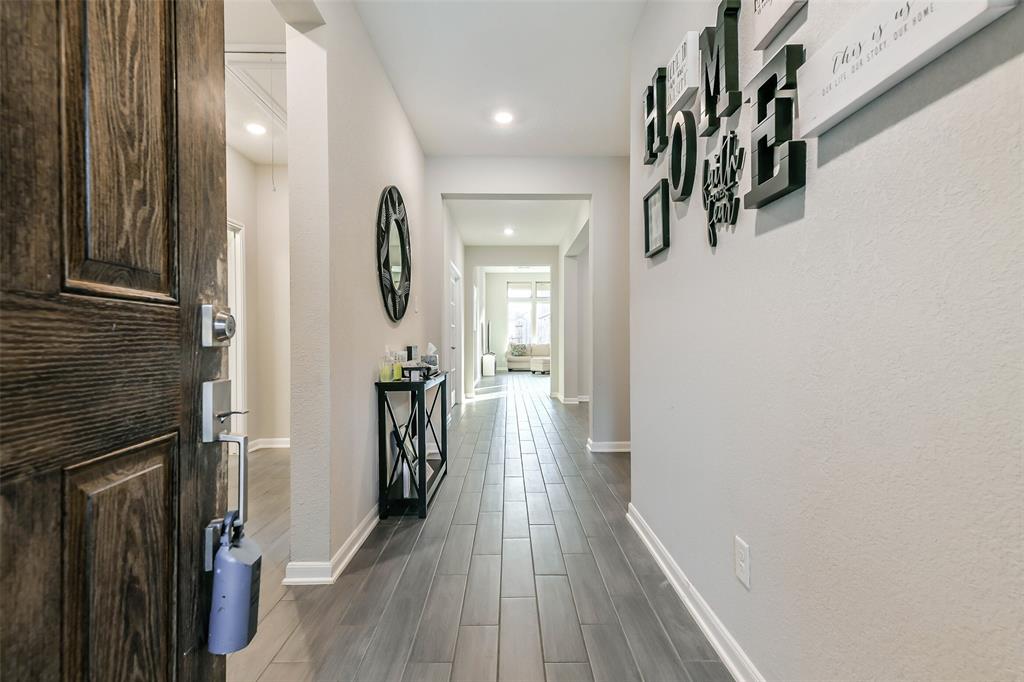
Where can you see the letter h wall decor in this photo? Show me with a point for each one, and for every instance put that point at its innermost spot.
(655, 135)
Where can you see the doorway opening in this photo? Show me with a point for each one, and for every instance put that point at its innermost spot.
(518, 314)
(256, 122)
(523, 299)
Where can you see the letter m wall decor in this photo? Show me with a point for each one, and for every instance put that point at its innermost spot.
(720, 69)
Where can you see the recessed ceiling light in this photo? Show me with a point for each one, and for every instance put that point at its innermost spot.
(503, 118)
(255, 129)
(509, 232)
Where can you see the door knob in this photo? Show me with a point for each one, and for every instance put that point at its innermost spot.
(218, 325)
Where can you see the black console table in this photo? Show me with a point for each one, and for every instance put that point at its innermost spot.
(407, 444)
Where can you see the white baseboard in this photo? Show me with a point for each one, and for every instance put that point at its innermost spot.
(326, 572)
(557, 396)
(607, 446)
(583, 398)
(729, 650)
(269, 443)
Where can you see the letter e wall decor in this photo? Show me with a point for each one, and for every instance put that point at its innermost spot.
(778, 162)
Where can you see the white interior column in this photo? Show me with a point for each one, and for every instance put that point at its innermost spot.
(310, 299)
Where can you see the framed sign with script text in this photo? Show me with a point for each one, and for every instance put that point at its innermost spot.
(770, 17)
(888, 41)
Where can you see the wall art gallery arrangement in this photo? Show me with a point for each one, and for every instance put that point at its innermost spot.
(792, 97)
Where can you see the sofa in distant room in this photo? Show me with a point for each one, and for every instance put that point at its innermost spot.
(518, 357)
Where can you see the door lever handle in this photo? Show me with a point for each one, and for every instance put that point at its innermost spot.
(216, 410)
(243, 465)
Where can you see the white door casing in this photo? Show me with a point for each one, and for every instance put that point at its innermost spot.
(236, 301)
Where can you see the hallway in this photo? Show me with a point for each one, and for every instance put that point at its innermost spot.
(525, 568)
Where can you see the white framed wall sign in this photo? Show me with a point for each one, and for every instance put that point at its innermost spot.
(683, 73)
(886, 43)
(770, 17)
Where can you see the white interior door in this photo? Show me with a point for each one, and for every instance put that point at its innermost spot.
(236, 301)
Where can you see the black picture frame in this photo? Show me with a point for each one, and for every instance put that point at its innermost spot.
(391, 214)
(656, 202)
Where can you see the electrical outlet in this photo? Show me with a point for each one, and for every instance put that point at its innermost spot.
(741, 559)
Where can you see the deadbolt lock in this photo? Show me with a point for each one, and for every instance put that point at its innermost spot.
(218, 325)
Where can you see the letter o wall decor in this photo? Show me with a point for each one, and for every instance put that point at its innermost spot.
(394, 253)
(682, 159)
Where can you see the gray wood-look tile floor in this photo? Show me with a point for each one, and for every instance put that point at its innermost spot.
(525, 569)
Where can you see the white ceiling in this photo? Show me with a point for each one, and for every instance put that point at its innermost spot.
(252, 24)
(255, 79)
(255, 92)
(536, 222)
(561, 67)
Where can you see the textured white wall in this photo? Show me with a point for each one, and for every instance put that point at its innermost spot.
(605, 181)
(351, 146)
(241, 204)
(577, 321)
(268, 368)
(840, 383)
(584, 339)
(264, 216)
(568, 323)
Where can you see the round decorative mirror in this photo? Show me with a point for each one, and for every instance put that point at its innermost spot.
(394, 254)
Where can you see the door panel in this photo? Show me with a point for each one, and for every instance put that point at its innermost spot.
(113, 207)
(118, 142)
(60, 354)
(118, 576)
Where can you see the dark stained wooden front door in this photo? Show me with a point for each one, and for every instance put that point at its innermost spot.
(113, 214)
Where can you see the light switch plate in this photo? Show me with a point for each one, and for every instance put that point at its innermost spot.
(741, 559)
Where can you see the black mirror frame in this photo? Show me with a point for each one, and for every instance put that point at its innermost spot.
(392, 206)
